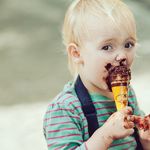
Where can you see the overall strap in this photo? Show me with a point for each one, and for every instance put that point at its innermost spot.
(136, 135)
(87, 106)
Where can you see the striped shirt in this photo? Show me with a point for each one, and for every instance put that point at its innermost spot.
(66, 127)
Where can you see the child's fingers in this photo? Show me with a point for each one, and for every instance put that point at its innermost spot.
(129, 118)
(132, 118)
(128, 125)
(128, 121)
(127, 110)
(136, 119)
(147, 120)
(142, 123)
(130, 131)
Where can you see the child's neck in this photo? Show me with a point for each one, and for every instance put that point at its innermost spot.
(94, 89)
(103, 92)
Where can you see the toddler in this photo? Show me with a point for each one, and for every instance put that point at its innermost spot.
(84, 116)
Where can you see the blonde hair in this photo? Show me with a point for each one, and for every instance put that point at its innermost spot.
(76, 18)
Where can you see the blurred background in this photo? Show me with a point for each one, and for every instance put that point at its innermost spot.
(33, 66)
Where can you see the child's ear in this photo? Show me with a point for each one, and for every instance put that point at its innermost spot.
(74, 53)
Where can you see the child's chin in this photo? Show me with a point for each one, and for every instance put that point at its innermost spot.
(108, 89)
(105, 88)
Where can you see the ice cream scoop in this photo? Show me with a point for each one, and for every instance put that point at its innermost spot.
(118, 81)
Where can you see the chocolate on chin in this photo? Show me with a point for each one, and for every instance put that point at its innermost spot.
(118, 81)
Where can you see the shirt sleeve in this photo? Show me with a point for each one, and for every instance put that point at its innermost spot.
(62, 129)
(134, 103)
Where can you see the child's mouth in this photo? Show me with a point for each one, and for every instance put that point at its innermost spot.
(113, 72)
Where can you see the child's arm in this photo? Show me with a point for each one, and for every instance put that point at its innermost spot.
(115, 128)
(62, 129)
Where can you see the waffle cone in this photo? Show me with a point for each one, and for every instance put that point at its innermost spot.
(118, 81)
(120, 93)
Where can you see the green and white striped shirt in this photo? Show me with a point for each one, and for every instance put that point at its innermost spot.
(66, 127)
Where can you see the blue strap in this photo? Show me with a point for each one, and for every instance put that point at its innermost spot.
(87, 106)
(136, 135)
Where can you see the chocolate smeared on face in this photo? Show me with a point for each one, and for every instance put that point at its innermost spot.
(117, 75)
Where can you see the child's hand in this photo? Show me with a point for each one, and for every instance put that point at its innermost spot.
(117, 126)
(120, 124)
(143, 125)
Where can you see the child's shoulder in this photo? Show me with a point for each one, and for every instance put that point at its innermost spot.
(131, 90)
(132, 96)
(67, 98)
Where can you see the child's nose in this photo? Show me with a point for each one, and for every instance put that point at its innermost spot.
(121, 57)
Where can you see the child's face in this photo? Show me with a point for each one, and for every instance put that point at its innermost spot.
(107, 44)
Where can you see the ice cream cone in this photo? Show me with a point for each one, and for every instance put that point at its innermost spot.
(118, 82)
(120, 93)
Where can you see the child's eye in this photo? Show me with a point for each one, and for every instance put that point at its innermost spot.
(129, 45)
(107, 47)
